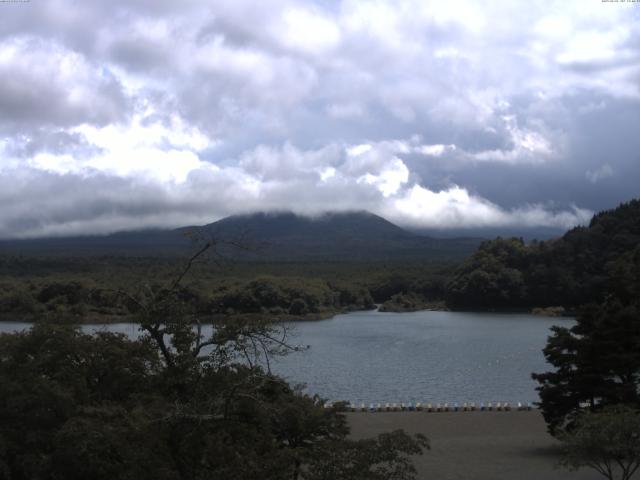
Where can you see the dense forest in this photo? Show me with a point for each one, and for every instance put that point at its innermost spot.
(94, 289)
(585, 265)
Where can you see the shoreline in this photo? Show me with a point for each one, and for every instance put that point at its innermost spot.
(281, 318)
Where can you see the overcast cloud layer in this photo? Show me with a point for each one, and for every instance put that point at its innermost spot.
(456, 114)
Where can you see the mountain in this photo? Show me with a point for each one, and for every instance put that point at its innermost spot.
(283, 236)
(337, 236)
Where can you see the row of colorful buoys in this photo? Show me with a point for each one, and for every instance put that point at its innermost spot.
(437, 407)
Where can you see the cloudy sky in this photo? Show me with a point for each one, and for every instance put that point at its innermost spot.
(435, 114)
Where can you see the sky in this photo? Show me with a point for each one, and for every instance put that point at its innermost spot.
(456, 114)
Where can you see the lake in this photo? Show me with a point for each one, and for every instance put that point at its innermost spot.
(408, 357)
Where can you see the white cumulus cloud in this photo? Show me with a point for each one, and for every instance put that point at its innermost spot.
(441, 114)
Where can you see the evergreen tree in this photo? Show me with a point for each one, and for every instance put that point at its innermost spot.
(597, 363)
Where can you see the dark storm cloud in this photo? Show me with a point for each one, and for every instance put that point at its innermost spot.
(598, 136)
(434, 114)
(137, 54)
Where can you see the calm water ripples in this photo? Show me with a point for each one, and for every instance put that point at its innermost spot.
(408, 357)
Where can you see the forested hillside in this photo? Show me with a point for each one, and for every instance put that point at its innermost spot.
(583, 266)
(264, 237)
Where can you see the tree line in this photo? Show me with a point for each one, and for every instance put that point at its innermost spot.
(282, 291)
(584, 265)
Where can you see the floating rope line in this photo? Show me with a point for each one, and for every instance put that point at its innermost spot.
(437, 407)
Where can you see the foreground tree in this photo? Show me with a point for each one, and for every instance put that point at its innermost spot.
(597, 363)
(186, 400)
(105, 407)
(606, 441)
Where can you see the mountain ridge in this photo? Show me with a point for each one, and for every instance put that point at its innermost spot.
(270, 236)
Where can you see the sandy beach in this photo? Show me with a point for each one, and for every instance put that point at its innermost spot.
(476, 445)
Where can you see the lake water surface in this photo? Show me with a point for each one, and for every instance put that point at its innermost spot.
(408, 357)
